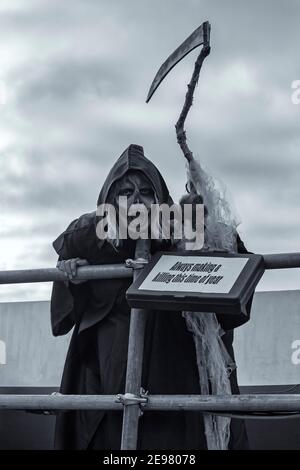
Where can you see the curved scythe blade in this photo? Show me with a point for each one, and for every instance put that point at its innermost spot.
(198, 37)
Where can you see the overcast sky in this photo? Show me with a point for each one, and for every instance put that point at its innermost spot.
(73, 80)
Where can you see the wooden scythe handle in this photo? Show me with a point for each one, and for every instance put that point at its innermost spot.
(180, 132)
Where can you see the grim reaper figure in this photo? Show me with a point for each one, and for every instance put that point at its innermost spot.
(184, 353)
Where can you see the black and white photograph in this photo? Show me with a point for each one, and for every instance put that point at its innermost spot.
(150, 228)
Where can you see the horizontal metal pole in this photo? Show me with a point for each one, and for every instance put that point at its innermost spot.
(59, 402)
(233, 403)
(282, 261)
(113, 271)
(105, 271)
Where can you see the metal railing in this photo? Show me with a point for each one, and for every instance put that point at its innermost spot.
(133, 401)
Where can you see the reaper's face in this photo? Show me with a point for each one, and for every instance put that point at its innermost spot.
(132, 196)
(136, 188)
(133, 188)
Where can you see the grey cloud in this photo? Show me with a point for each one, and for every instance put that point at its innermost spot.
(61, 81)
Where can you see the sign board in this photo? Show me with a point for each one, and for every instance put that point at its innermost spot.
(207, 281)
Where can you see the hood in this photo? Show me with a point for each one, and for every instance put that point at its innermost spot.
(133, 158)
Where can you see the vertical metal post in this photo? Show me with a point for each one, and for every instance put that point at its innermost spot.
(134, 361)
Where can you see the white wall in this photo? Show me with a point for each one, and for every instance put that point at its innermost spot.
(263, 346)
(33, 356)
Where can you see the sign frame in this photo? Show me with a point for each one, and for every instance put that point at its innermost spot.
(231, 303)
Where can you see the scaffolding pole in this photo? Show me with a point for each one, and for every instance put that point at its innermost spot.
(117, 271)
(86, 273)
(206, 403)
(137, 328)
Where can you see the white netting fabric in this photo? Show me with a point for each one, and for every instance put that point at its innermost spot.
(221, 222)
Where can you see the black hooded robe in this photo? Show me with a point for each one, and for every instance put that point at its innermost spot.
(97, 355)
